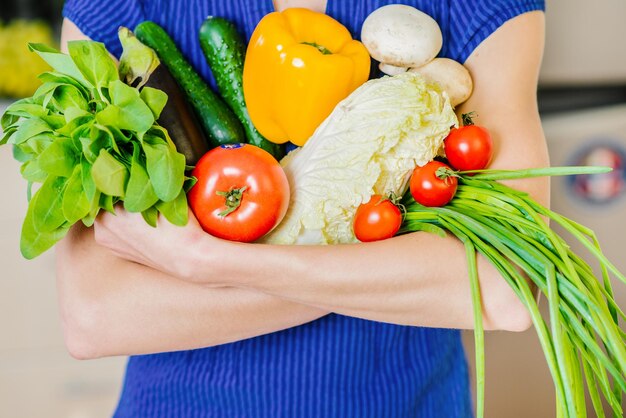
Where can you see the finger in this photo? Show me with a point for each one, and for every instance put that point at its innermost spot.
(101, 234)
(105, 218)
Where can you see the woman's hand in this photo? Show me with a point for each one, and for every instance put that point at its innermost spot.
(167, 248)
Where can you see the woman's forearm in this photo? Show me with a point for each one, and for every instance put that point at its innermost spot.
(417, 279)
(110, 306)
(421, 279)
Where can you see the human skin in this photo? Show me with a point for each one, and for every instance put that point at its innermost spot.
(126, 288)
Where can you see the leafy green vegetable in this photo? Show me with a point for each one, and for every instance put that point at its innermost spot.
(150, 216)
(94, 63)
(162, 161)
(34, 242)
(175, 211)
(128, 111)
(109, 174)
(68, 96)
(140, 193)
(31, 171)
(61, 63)
(155, 99)
(106, 203)
(75, 203)
(93, 141)
(47, 210)
(28, 129)
(59, 158)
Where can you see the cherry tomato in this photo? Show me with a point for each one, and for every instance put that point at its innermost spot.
(377, 219)
(242, 192)
(468, 147)
(428, 188)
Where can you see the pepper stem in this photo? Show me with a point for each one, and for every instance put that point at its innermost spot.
(319, 47)
(233, 200)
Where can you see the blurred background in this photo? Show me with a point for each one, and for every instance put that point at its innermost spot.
(582, 100)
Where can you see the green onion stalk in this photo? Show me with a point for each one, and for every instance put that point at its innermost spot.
(581, 338)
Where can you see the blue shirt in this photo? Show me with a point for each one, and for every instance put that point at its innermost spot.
(335, 366)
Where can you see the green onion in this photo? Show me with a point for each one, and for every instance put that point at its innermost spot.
(509, 229)
(534, 172)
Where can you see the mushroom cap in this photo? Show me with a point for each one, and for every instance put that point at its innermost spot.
(401, 35)
(452, 76)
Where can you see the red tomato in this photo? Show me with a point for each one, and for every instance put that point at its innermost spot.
(428, 188)
(242, 192)
(468, 147)
(377, 219)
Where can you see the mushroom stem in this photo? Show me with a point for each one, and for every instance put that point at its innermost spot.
(452, 76)
(392, 69)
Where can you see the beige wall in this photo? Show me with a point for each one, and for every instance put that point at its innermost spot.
(37, 377)
(584, 42)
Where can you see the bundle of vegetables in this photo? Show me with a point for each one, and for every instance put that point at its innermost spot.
(92, 141)
(509, 228)
(368, 148)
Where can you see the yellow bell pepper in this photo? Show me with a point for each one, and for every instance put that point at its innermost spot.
(299, 65)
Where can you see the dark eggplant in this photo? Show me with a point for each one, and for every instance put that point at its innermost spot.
(178, 117)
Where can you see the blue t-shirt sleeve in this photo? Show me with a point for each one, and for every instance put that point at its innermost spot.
(471, 22)
(100, 19)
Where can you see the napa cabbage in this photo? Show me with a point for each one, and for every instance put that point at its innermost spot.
(369, 144)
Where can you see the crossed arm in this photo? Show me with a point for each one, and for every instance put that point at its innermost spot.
(131, 289)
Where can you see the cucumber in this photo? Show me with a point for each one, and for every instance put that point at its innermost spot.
(219, 123)
(224, 50)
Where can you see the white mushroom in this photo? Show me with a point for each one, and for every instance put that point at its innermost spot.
(451, 76)
(401, 36)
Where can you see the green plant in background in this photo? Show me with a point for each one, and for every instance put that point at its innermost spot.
(92, 141)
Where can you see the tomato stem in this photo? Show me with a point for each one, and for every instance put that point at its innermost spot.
(397, 201)
(466, 118)
(233, 200)
(444, 173)
(394, 198)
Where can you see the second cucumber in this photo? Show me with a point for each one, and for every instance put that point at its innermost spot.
(219, 123)
(224, 50)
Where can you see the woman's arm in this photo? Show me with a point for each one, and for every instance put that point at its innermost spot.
(110, 306)
(421, 279)
(416, 279)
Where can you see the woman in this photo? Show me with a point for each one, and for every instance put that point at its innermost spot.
(366, 330)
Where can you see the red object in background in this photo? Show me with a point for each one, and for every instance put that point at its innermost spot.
(377, 219)
(242, 192)
(428, 188)
(601, 188)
